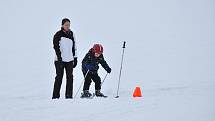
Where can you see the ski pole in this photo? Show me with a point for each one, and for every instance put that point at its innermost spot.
(81, 84)
(120, 72)
(104, 79)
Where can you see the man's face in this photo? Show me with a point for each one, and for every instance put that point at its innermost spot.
(66, 26)
(97, 55)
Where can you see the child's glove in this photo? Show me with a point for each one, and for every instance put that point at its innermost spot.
(108, 70)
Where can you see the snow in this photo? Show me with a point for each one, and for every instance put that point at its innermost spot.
(169, 54)
(174, 104)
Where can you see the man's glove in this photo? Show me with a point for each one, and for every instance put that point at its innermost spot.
(75, 62)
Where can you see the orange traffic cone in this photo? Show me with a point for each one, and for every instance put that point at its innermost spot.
(137, 92)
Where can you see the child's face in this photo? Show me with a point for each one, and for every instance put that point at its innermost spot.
(97, 55)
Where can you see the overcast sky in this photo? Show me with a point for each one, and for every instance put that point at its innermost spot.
(167, 40)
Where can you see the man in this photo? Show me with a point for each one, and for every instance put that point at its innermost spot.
(66, 58)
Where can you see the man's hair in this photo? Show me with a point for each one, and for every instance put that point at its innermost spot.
(65, 20)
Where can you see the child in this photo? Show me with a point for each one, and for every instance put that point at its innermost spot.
(90, 66)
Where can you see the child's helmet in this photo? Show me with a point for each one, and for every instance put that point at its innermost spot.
(97, 48)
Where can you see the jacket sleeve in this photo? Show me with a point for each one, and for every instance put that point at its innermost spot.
(75, 47)
(56, 40)
(103, 63)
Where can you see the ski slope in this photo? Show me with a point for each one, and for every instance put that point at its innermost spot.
(169, 54)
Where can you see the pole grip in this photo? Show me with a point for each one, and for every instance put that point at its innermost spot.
(124, 44)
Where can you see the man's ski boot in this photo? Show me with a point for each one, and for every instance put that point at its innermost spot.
(68, 97)
(55, 98)
(99, 94)
(86, 94)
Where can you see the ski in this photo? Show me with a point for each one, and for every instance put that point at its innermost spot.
(87, 95)
(104, 96)
(91, 97)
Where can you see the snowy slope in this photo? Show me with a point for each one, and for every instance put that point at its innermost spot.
(166, 104)
(169, 54)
